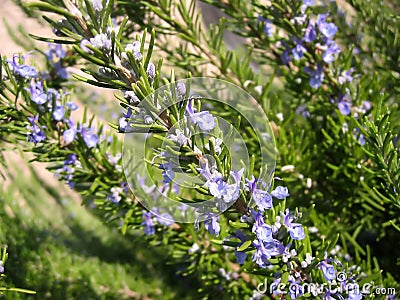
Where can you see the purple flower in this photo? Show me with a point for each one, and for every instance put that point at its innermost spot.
(302, 110)
(260, 256)
(58, 112)
(70, 135)
(262, 230)
(361, 140)
(212, 225)
(329, 54)
(1, 267)
(55, 51)
(71, 159)
(227, 192)
(308, 2)
(72, 106)
(181, 89)
(344, 107)
(316, 76)
(123, 121)
(23, 70)
(97, 5)
(297, 232)
(345, 76)
(328, 270)
(311, 33)
(180, 137)
(101, 41)
(262, 199)
(275, 248)
(204, 119)
(151, 71)
(36, 135)
(163, 218)
(61, 71)
(168, 172)
(131, 97)
(354, 294)
(327, 29)
(91, 139)
(298, 51)
(365, 106)
(37, 94)
(134, 48)
(268, 29)
(285, 57)
(280, 192)
(114, 196)
(240, 257)
(149, 228)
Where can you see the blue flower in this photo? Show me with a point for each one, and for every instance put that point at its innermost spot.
(71, 159)
(148, 223)
(37, 94)
(327, 29)
(262, 199)
(311, 33)
(131, 97)
(58, 112)
(61, 71)
(345, 76)
(344, 107)
(163, 218)
(268, 29)
(298, 51)
(134, 48)
(354, 294)
(97, 5)
(280, 192)
(316, 76)
(297, 232)
(212, 225)
(55, 51)
(328, 270)
(114, 196)
(100, 41)
(285, 57)
(222, 190)
(262, 230)
(308, 2)
(204, 119)
(168, 172)
(36, 135)
(23, 70)
(151, 71)
(91, 139)
(329, 54)
(240, 257)
(69, 135)
(260, 256)
(72, 106)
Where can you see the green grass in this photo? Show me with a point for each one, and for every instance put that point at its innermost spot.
(59, 249)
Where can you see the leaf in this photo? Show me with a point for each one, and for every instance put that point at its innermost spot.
(244, 246)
